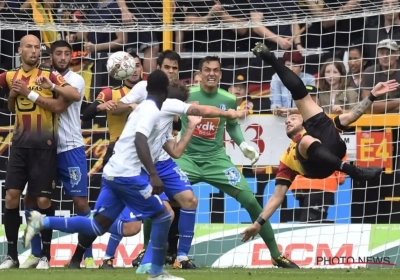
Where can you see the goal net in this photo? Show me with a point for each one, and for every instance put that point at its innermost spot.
(332, 223)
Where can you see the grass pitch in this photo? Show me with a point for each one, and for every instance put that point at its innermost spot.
(205, 274)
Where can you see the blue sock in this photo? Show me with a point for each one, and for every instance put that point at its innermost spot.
(112, 245)
(75, 224)
(117, 228)
(187, 219)
(36, 243)
(148, 255)
(159, 239)
(89, 251)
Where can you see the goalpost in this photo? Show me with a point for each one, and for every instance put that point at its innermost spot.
(362, 226)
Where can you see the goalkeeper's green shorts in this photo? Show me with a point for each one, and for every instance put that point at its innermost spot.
(219, 172)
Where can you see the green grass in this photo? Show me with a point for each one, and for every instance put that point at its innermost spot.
(205, 274)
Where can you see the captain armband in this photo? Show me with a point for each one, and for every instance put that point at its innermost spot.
(33, 96)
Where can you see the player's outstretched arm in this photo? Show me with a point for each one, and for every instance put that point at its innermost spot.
(235, 132)
(284, 179)
(272, 205)
(175, 149)
(122, 108)
(358, 110)
(211, 112)
(135, 96)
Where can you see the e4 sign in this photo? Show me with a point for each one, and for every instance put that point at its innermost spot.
(374, 149)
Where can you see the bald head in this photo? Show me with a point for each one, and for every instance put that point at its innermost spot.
(29, 39)
(29, 50)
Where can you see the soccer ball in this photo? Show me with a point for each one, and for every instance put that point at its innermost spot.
(121, 65)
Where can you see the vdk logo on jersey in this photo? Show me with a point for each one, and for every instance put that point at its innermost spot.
(222, 107)
(233, 175)
(207, 128)
(75, 175)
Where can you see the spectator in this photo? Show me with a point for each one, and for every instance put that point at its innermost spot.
(337, 34)
(102, 13)
(336, 96)
(225, 11)
(144, 13)
(386, 26)
(316, 195)
(197, 78)
(280, 95)
(239, 89)
(387, 68)
(45, 55)
(13, 11)
(277, 37)
(356, 67)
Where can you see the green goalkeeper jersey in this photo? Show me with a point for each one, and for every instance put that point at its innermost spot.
(208, 137)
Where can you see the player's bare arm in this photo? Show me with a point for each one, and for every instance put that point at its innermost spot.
(143, 152)
(56, 106)
(175, 149)
(284, 179)
(11, 101)
(211, 112)
(358, 110)
(122, 108)
(66, 91)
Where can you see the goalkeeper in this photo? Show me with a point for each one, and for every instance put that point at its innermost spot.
(205, 159)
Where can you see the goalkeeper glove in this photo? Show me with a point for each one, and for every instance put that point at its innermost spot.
(249, 152)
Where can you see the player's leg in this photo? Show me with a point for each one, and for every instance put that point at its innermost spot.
(173, 234)
(16, 179)
(291, 81)
(72, 170)
(194, 175)
(41, 185)
(86, 241)
(126, 225)
(107, 209)
(222, 174)
(32, 261)
(177, 186)
(145, 264)
(129, 226)
(143, 204)
(322, 149)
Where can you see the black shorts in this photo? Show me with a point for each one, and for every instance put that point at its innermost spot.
(37, 167)
(109, 153)
(323, 128)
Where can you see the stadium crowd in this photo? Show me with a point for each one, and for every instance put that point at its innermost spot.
(358, 53)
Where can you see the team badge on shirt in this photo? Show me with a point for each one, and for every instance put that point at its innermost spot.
(222, 107)
(75, 175)
(233, 175)
(182, 175)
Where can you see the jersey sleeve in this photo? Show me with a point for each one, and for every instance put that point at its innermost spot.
(104, 96)
(79, 84)
(137, 94)
(58, 79)
(3, 80)
(147, 118)
(285, 175)
(175, 107)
